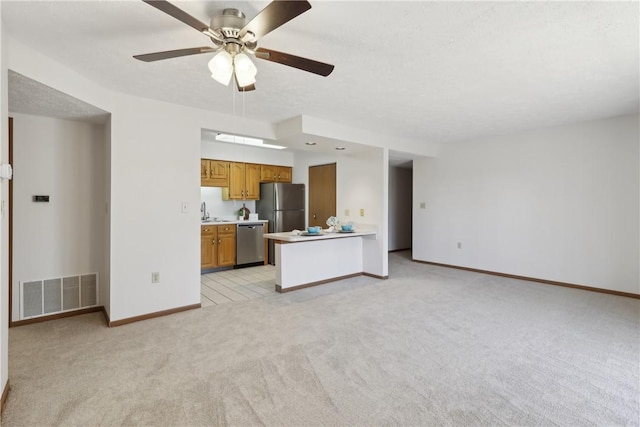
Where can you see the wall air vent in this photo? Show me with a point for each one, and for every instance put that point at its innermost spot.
(57, 295)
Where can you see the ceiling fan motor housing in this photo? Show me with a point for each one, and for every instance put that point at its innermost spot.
(229, 23)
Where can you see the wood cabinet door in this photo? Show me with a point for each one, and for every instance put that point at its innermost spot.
(226, 245)
(283, 174)
(204, 172)
(208, 248)
(236, 180)
(251, 181)
(322, 194)
(219, 173)
(268, 173)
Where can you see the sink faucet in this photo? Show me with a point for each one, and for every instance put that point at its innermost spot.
(203, 209)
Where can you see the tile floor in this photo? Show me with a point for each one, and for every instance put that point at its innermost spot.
(237, 285)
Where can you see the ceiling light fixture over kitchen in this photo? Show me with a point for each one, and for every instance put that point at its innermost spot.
(223, 137)
(340, 148)
(310, 143)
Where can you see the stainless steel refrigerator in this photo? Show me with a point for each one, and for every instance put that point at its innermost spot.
(283, 205)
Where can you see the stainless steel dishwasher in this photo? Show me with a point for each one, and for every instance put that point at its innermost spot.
(250, 243)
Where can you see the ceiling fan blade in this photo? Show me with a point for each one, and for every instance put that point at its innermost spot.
(177, 13)
(298, 62)
(247, 88)
(157, 56)
(278, 12)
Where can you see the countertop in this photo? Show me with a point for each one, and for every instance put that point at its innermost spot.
(225, 222)
(324, 235)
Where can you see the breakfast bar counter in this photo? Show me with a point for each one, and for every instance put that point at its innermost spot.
(304, 259)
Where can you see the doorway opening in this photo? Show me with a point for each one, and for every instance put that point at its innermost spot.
(400, 212)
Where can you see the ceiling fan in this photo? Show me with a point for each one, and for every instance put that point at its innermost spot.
(233, 38)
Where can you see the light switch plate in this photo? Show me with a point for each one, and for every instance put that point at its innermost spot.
(347, 212)
(361, 212)
(423, 205)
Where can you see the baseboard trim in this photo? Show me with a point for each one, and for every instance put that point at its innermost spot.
(320, 282)
(5, 394)
(56, 316)
(534, 279)
(106, 315)
(399, 250)
(375, 276)
(153, 315)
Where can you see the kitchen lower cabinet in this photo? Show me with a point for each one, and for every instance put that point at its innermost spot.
(226, 245)
(217, 246)
(208, 248)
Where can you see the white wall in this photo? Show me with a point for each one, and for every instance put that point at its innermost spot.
(400, 207)
(557, 204)
(64, 160)
(155, 164)
(212, 196)
(4, 227)
(361, 183)
(105, 278)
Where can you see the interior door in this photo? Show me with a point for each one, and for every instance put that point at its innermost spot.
(322, 194)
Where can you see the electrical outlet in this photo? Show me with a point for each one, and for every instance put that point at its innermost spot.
(185, 207)
(459, 245)
(361, 212)
(155, 277)
(347, 212)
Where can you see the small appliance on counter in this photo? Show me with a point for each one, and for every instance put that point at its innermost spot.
(243, 213)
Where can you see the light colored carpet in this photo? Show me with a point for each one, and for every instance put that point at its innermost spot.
(429, 346)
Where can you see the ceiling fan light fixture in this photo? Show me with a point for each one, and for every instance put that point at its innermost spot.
(221, 67)
(245, 70)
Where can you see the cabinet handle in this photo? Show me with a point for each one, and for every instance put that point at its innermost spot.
(213, 242)
(218, 241)
(314, 216)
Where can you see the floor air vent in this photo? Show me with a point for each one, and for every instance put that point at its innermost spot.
(51, 296)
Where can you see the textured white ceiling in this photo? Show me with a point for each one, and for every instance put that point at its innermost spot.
(431, 71)
(28, 96)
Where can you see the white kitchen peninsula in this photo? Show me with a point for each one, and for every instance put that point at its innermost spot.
(309, 260)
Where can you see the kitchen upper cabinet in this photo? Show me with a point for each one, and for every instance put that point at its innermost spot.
(217, 246)
(284, 174)
(252, 181)
(236, 181)
(214, 173)
(244, 182)
(273, 173)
